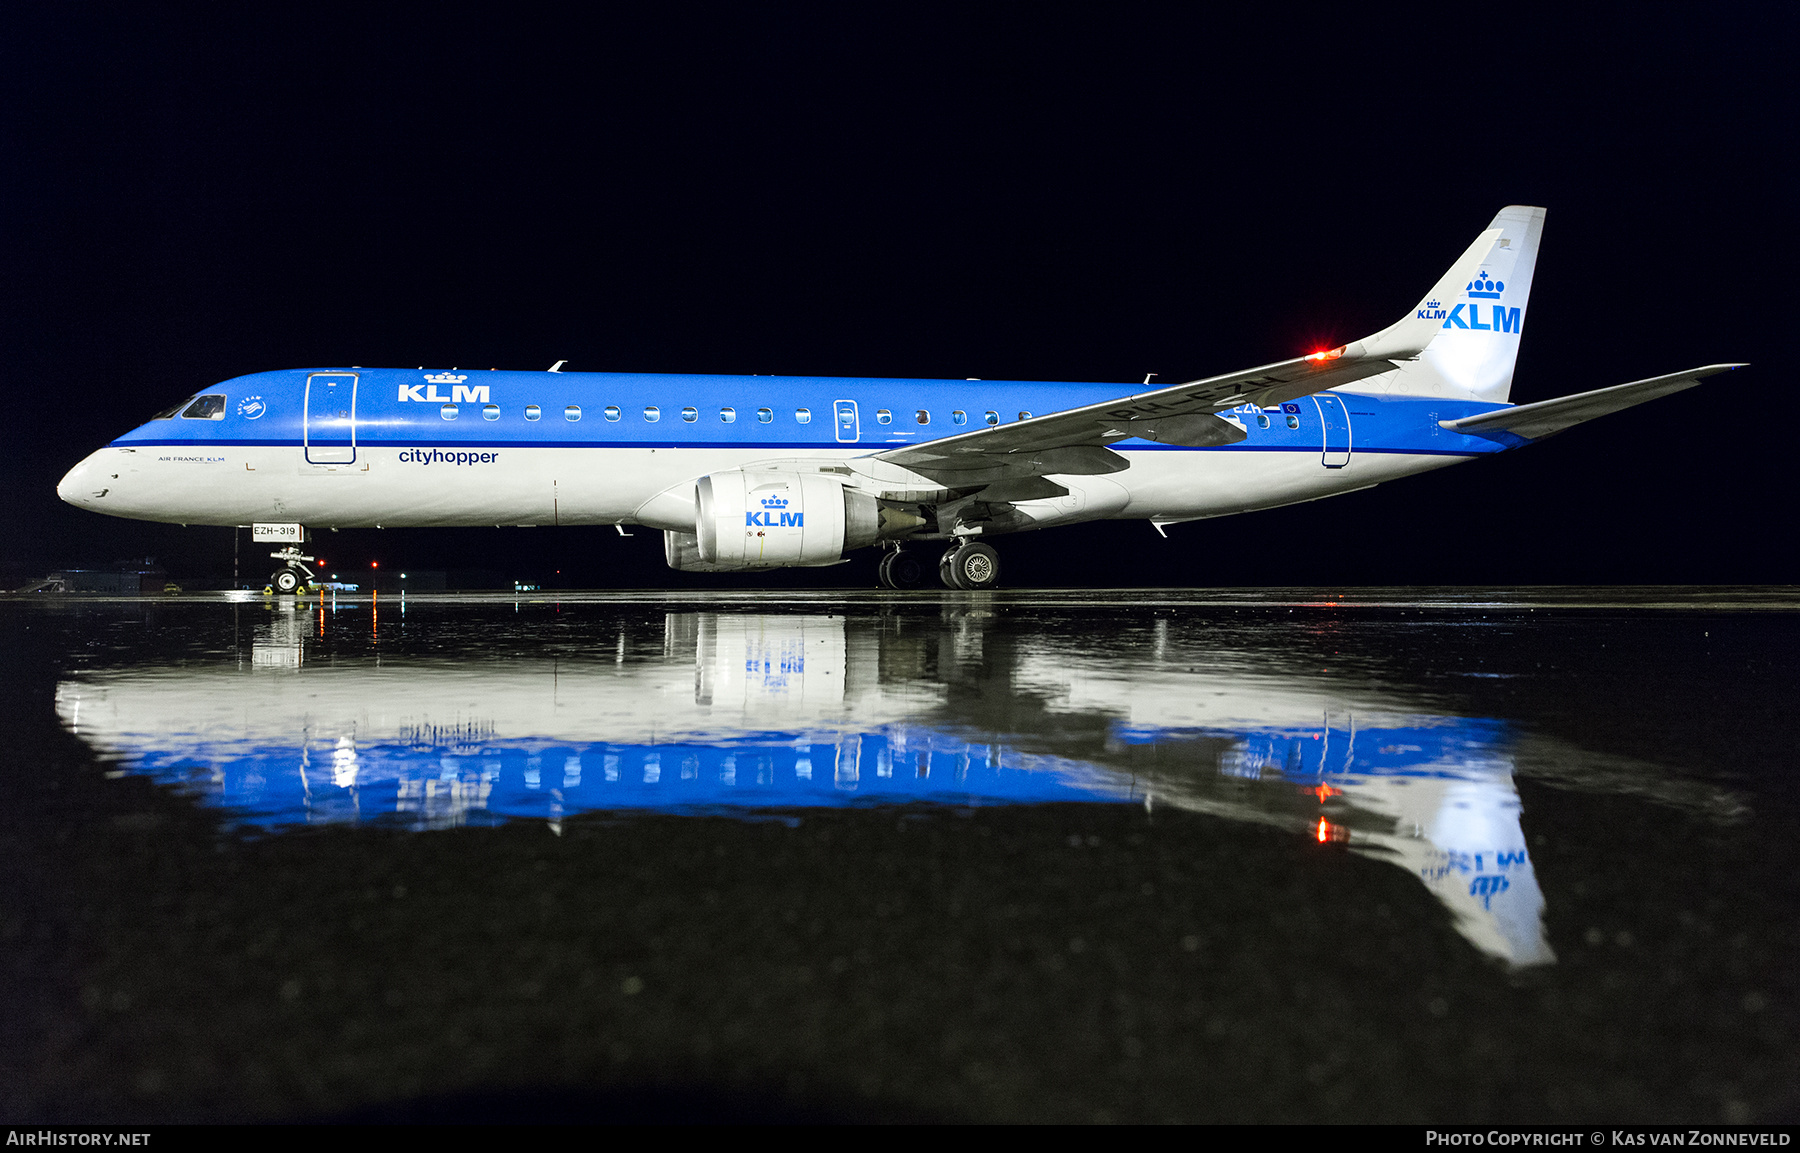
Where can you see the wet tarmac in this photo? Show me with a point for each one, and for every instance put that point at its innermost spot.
(1229, 855)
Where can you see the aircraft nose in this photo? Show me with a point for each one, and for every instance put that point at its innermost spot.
(77, 487)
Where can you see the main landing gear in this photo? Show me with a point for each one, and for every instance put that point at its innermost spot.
(900, 570)
(971, 566)
(965, 565)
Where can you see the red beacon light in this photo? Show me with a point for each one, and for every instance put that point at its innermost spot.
(1320, 357)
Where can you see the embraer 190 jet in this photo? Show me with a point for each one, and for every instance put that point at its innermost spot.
(756, 472)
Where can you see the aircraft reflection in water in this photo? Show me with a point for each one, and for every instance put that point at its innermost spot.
(779, 711)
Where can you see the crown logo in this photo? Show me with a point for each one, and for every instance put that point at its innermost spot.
(775, 502)
(444, 378)
(1484, 285)
(1432, 304)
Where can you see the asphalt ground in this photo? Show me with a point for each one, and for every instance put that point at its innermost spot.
(1034, 962)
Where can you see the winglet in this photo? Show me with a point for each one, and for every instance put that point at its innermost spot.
(1408, 337)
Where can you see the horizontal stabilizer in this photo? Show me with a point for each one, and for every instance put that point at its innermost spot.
(1547, 417)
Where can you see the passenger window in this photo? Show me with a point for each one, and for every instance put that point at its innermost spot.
(448, 412)
(846, 417)
(572, 413)
(728, 415)
(1293, 421)
(206, 408)
(883, 416)
(993, 417)
(764, 415)
(690, 415)
(610, 412)
(1262, 420)
(652, 413)
(958, 416)
(923, 416)
(533, 412)
(490, 412)
(803, 415)
(1024, 416)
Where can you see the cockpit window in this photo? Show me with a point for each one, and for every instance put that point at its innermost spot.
(208, 407)
(169, 412)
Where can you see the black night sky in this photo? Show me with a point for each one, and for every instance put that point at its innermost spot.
(1000, 191)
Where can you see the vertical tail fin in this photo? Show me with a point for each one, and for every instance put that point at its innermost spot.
(1474, 352)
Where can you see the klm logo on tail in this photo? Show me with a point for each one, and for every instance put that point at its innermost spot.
(1483, 287)
(771, 517)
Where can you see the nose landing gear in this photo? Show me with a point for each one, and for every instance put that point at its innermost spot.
(289, 578)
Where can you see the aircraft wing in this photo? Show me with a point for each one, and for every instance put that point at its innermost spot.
(1548, 417)
(1074, 441)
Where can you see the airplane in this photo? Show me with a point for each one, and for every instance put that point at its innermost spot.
(745, 473)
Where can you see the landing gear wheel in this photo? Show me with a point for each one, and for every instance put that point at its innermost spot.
(970, 566)
(285, 580)
(947, 567)
(900, 570)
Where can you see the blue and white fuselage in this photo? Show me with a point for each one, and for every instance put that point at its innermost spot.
(760, 471)
(545, 452)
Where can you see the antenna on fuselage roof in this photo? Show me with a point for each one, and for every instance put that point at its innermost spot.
(1147, 377)
(557, 367)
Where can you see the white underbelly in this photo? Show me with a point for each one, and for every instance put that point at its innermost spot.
(453, 487)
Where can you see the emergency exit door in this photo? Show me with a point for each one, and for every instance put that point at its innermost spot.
(330, 430)
(1335, 419)
(848, 426)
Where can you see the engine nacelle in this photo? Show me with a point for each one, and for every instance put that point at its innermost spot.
(682, 552)
(750, 519)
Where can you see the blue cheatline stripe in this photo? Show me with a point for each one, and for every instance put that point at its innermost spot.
(871, 447)
(444, 442)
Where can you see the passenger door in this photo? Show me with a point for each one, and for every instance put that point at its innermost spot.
(1336, 421)
(330, 428)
